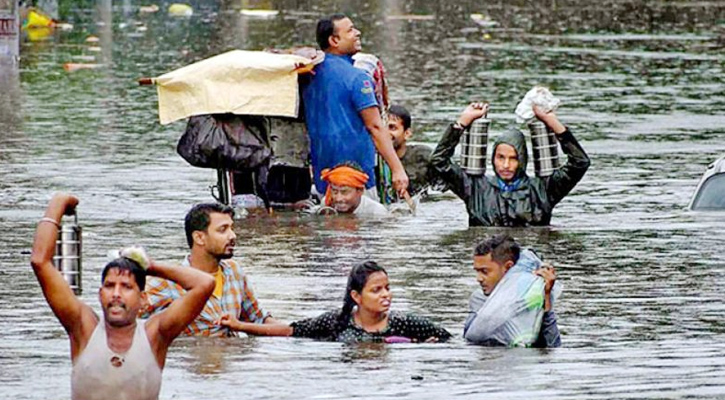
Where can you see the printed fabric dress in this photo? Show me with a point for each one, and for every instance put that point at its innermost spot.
(400, 325)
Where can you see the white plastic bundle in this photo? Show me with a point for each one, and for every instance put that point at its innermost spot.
(539, 96)
(134, 253)
(512, 314)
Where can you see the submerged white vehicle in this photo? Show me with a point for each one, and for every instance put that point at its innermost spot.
(710, 192)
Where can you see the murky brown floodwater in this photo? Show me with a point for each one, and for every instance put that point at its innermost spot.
(642, 85)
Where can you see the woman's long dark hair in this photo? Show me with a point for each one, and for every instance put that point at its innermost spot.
(356, 281)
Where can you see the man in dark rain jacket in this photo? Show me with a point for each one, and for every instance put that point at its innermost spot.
(510, 198)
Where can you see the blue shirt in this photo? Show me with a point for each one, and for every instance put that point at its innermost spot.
(334, 98)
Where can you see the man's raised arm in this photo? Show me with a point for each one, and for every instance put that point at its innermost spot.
(577, 163)
(549, 334)
(172, 321)
(440, 160)
(70, 311)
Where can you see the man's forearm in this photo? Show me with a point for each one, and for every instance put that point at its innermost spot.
(46, 233)
(549, 335)
(384, 144)
(60, 297)
(267, 329)
(441, 157)
(547, 302)
(199, 286)
(381, 138)
(568, 175)
(576, 156)
(189, 278)
(443, 165)
(385, 147)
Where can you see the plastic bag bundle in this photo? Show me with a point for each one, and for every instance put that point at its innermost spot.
(512, 314)
(233, 142)
(539, 96)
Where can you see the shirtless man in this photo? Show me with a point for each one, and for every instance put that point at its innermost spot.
(115, 356)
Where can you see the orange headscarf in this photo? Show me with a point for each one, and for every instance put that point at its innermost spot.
(342, 176)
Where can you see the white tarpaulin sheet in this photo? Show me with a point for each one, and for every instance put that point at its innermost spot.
(238, 82)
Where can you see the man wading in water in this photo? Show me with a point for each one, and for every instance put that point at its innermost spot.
(346, 184)
(511, 198)
(210, 234)
(341, 110)
(115, 356)
(493, 259)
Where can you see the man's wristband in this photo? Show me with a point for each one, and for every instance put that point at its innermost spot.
(51, 220)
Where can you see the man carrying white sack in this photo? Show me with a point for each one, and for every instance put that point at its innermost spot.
(514, 305)
(510, 197)
(115, 355)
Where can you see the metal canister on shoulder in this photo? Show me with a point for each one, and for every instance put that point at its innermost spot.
(67, 257)
(473, 147)
(545, 148)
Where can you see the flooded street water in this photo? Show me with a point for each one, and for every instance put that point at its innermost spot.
(641, 82)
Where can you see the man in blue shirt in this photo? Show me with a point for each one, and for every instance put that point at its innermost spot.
(341, 109)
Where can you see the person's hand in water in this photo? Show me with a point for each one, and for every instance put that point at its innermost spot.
(305, 206)
(403, 339)
(400, 183)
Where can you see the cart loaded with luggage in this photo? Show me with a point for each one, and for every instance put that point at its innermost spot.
(244, 119)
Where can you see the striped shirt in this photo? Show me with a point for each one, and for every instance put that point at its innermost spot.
(237, 299)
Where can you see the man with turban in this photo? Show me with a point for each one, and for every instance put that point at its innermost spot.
(345, 189)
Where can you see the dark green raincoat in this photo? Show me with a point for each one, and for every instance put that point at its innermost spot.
(531, 203)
